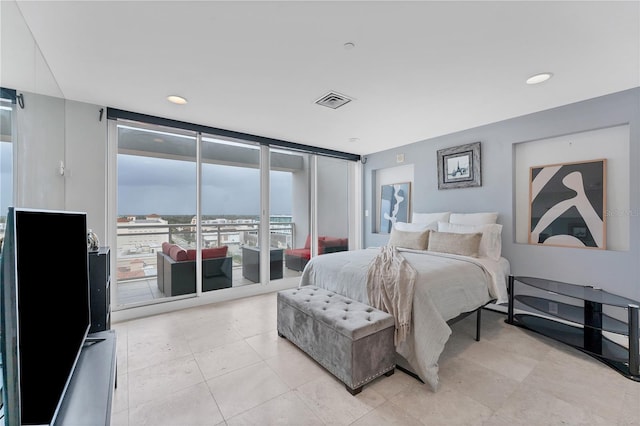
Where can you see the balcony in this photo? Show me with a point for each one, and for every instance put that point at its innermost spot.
(137, 244)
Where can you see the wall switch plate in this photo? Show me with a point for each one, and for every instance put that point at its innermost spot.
(366, 213)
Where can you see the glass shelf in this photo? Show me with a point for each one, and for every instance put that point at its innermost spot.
(571, 313)
(573, 336)
(591, 294)
(547, 313)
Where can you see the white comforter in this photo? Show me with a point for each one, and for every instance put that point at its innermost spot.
(446, 286)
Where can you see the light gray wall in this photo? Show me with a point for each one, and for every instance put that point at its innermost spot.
(40, 147)
(86, 163)
(51, 130)
(616, 271)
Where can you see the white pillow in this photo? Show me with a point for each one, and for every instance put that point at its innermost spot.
(411, 240)
(416, 227)
(430, 217)
(472, 218)
(491, 242)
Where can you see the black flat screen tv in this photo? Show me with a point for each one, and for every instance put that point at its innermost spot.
(45, 310)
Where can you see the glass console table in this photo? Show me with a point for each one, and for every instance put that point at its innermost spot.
(577, 316)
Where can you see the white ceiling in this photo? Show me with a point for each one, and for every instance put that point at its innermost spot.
(418, 69)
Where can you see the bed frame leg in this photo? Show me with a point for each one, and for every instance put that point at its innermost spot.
(478, 323)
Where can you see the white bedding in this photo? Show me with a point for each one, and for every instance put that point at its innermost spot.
(446, 286)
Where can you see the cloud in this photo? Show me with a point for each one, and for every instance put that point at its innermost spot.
(168, 187)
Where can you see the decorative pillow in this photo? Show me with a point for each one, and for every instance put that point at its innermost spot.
(178, 253)
(473, 218)
(430, 217)
(410, 240)
(214, 252)
(415, 227)
(301, 252)
(450, 242)
(208, 253)
(491, 243)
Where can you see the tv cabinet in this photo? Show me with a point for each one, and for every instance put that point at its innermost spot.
(100, 283)
(89, 396)
(589, 319)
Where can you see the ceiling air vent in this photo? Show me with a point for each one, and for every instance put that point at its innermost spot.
(333, 100)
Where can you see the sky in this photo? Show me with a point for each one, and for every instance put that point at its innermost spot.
(168, 187)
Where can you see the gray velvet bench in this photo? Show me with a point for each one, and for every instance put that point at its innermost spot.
(350, 339)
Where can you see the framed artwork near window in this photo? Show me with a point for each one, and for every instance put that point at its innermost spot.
(394, 205)
(459, 166)
(567, 204)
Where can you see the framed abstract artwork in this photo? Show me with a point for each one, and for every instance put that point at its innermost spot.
(459, 166)
(394, 205)
(567, 204)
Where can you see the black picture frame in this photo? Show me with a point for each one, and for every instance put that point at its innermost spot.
(459, 166)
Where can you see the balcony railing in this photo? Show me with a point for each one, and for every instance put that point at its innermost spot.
(137, 244)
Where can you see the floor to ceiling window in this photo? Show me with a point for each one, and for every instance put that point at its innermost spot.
(6, 160)
(158, 218)
(197, 213)
(320, 186)
(332, 177)
(289, 196)
(156, 206)
(230, 210)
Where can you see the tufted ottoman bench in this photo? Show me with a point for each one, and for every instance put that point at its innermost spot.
(350, 339)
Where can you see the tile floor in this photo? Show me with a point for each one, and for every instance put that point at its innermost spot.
(224, 364)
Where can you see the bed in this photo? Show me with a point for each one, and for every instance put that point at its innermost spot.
(446, 286)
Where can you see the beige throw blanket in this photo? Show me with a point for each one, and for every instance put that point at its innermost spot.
(390, 285)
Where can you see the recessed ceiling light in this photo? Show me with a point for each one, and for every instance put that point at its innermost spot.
(177, 99)
(539, 78)
(349, 45)
(354, 139)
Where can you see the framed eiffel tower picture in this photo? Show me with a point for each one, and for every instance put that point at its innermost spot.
(459, 166)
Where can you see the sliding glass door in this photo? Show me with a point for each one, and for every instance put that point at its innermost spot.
(6, 159)
(289, 180)
(188, 214)
(198, 214)
(156, 213)
(332, 176)
(230, 211)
